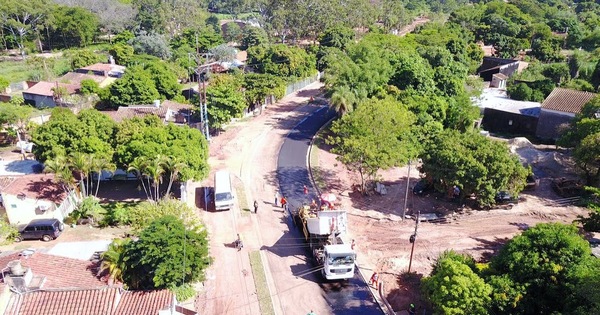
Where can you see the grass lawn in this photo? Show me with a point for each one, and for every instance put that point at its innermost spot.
(260, 282)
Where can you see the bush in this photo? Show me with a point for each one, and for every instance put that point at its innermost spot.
(89, 208)
(89, 86)
(146, 212)
(184, 292)
(520, 92)
(83, 58)
(8, 232)
(115, 214)
(152, 44)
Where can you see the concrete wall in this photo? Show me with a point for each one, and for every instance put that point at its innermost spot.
(549, 122)
(498, 121)
(39, 101)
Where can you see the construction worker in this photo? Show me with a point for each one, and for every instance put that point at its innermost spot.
(305, 190)
(412, 310)
(374, 279)
(283, 202)
(255, 206)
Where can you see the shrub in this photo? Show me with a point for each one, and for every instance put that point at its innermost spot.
(89, 86)
(184, 292)
(115, 214)
(8, 232)
(89, 208)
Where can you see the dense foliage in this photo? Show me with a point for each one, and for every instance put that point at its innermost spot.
(548, 269)
(167, 254)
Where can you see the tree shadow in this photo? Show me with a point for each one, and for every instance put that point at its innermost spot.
(521, 226)
(408, 292)
(490, 248)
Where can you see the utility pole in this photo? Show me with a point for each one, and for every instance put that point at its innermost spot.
(203, 109)
(413, 240)
(406, 195)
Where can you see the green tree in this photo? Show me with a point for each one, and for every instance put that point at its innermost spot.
(257, 87)
(548, 260)
(165, 79)
(89, 132)
(23, 19)
(82, 58)
(337, 36)
(136, 87)
(122, 53)
(149, 136)
(225, 100)
(4, 83)
(167, 254)
(16, 117)
(374, 136)
(282, 60)
(253, 36)
(454, 288)
(476, 164)
(75, 26)
(233, 32)
(520, 91)
(89, 86)
(151, 44)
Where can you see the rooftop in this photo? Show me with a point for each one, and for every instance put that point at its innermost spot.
(76, 78)
(45, 88)
(64, 302)
(59, 272)
(143, 302)
(567, 100)
(498, 99)
(33, 186)
(168, 110)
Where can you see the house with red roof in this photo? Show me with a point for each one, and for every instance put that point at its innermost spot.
(34, 196)
(42, 94)
(558, 109)
(41, 284)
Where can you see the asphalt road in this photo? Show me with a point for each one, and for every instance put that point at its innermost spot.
(344, 297)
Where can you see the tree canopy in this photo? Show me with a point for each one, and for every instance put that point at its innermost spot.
(167, 254)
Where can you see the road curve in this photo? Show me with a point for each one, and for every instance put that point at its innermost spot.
(347, 297)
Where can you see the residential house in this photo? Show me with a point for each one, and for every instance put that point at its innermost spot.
(41, 94)
(34, 196)
(495, 65)
(167, 111)
(559, 108)
(41, 284)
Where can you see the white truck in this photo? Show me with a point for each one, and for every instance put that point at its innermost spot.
(322, 231)
(223, 194)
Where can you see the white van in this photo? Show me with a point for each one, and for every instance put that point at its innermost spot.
(223, 191)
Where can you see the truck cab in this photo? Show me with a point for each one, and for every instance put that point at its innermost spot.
(339, 262)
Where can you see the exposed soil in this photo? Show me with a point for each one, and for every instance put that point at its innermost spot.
(382, 238)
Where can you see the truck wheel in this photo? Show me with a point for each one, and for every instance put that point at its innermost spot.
(46, 238)
(18, 239)
(510, 206)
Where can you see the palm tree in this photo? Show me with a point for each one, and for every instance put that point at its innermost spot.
(173, 167)
(81, 163)
(138, 166)
(60, 167)
(113, 259)
(99, 165)
(343, 101)
(155, 170)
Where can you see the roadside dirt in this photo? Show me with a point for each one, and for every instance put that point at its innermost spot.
(382, 238)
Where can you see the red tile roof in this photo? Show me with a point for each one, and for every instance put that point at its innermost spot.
(34, 186)
(143, 302)
(566, 100)
(64, 302)
(45, 88)
(128, 112)
(59, 272)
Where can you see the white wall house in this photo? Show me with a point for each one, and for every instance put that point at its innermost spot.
(35, 196)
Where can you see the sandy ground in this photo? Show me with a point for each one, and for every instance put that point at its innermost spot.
(382, 238)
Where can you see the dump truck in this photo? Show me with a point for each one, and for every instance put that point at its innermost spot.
(322, 230)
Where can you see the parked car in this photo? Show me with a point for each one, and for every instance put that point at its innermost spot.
(532, 182)
(41, 229)
(422, 187)
(505, 199)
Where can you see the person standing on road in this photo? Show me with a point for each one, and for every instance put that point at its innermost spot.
(277, 196)
(374, 279)
(283, 203)
(305, 190)
(255, 206)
